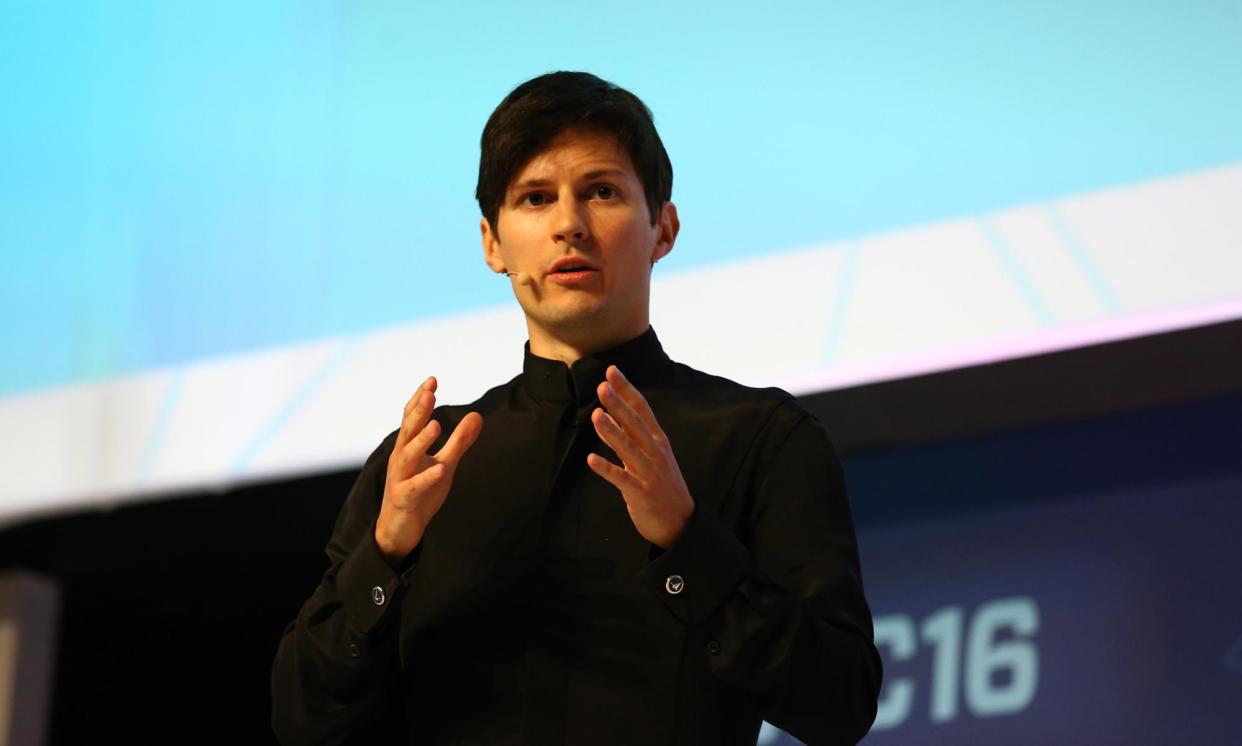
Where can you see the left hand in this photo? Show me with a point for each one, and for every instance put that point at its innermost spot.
(650, 481)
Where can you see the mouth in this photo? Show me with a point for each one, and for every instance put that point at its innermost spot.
(571, 271)
(570, 265)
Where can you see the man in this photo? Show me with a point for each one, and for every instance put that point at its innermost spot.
(611, 548)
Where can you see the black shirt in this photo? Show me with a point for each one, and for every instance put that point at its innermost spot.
(533, 612)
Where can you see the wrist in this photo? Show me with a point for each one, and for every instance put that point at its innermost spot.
(685, 523)
(395, 546)
(675, 534)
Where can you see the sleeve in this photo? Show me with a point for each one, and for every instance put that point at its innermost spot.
(336, 668)
(786, 618)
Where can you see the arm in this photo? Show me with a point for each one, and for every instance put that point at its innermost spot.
(337, 669)
(787, 619)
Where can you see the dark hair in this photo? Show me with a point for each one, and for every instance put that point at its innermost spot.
(535, 112)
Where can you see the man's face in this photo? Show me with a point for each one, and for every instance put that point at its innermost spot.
(575, 220)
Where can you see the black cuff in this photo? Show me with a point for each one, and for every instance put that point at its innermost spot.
(368, 586)
(700, 571)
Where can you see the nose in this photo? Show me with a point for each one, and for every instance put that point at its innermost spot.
(569, 223)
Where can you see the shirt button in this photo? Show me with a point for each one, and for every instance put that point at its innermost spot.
(713, 647)
(377, 595)
(355, 651)
(675, 584)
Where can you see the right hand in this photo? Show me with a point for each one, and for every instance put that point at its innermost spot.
(417, 483)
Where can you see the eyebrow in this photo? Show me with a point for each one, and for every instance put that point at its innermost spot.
(588, 176)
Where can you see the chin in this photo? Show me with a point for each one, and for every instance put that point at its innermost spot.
(579, 323)
(578, 312)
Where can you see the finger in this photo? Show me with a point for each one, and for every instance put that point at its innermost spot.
(417, 419)
(413, 453)
(425, 479)
(633, 397)
(625, 416)
(617, 439)
(428, 384)
(417, 412)
(615, 475)
(464, 435)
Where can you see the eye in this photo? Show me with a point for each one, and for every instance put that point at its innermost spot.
(534, 199)
(604, 191)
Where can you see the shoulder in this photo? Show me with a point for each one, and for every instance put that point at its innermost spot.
(715, 402)
(492, 401)
(448, 415)
(706, 389)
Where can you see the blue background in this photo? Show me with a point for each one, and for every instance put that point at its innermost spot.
(180, 180)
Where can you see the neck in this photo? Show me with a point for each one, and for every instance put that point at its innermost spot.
(569, 348)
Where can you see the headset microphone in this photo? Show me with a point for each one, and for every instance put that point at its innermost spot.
(522, 277)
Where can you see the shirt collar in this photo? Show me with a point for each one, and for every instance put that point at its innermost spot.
(642, 359)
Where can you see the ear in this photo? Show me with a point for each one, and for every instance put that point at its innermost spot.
(491, 247)
(666, 231)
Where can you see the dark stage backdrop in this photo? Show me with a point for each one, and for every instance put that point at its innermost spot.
(1073, 580)
(1091, 595)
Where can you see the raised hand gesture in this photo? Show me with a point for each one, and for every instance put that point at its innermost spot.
(650, 480)
(417, 483)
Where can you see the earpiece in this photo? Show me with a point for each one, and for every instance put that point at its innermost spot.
(522, 277)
